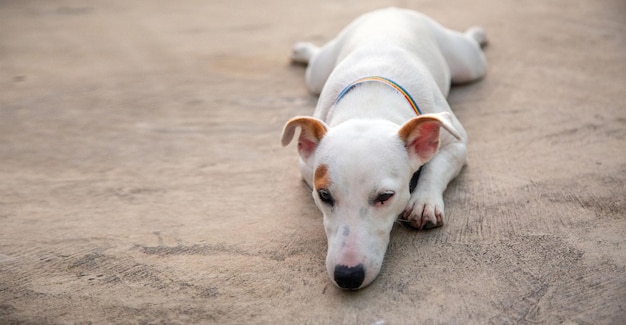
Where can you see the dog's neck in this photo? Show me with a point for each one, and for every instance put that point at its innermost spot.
(372, 100)
(385, 81)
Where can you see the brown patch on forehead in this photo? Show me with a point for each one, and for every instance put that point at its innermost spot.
(321, 178)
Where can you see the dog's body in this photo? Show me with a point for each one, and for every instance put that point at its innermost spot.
(364, 143)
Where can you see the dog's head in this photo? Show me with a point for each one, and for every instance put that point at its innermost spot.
(361, 175)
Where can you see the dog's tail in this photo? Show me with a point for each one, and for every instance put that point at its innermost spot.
(478, 34)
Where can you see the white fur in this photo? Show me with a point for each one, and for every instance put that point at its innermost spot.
(358, 139)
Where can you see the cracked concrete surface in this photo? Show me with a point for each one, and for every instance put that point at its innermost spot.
(142, 178)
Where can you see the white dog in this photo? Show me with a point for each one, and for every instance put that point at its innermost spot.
(383, 84)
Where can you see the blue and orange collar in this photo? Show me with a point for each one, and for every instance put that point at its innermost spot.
(386, 81)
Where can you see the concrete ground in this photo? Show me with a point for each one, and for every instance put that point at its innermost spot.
(142, 179)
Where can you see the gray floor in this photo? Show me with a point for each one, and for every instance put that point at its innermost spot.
(142, 179)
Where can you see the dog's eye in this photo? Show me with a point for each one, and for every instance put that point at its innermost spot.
(326, 197)
(382, 197)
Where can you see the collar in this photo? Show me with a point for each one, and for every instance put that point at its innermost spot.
(386, 81)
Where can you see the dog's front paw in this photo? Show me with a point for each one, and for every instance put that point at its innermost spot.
(424, 212)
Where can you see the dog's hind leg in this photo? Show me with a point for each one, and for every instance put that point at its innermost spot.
(302, 52)
(321, 62)
(463, 53)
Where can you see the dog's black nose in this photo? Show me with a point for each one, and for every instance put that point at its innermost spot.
(349, 277)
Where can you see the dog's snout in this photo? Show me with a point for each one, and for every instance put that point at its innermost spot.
(349, 277)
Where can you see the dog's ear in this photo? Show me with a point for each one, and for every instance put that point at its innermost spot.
(312, 132)
(421, 136)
